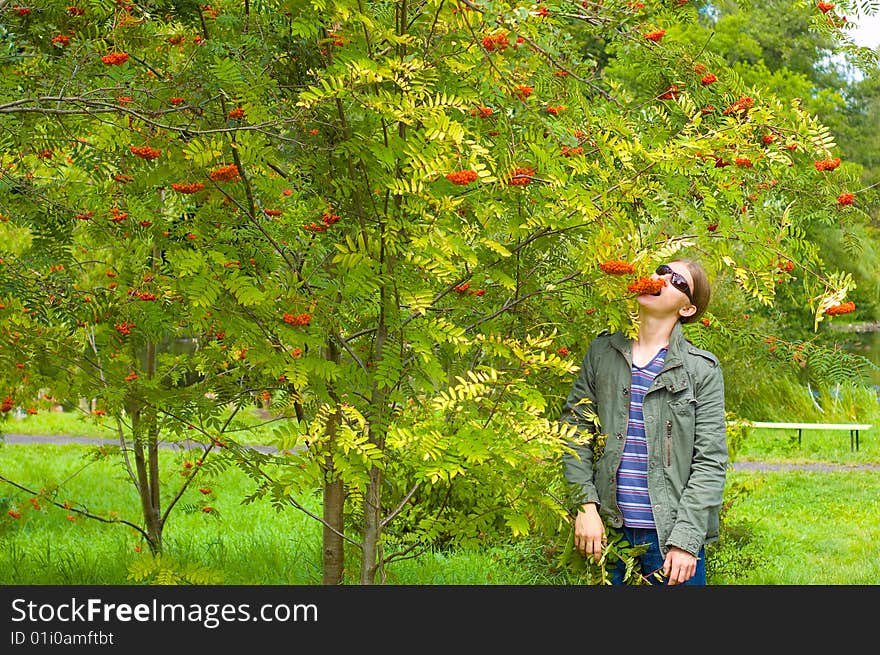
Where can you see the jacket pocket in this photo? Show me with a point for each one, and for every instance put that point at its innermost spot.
(680, 426)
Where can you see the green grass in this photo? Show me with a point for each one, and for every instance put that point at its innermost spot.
(805, 528)
(248, 426)
(73, 423)
(241, 544)
(831, 446)
(249, 544)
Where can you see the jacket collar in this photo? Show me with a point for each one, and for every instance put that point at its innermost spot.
(673, 375)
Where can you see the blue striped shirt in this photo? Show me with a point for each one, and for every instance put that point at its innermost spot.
(632, 474)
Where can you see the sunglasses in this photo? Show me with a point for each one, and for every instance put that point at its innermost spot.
(676, 279)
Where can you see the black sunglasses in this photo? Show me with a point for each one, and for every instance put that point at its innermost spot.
(676, 279)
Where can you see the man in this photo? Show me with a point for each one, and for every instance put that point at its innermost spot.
(659, 402)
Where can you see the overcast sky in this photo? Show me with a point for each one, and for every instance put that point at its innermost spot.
(868, 31)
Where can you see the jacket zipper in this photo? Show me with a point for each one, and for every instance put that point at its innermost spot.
(668, 443)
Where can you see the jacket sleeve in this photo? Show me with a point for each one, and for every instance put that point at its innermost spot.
(704, 492)
(580, 410)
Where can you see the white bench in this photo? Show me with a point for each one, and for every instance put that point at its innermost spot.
(854, 429)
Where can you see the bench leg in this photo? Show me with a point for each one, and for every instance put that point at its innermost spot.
(799, 436)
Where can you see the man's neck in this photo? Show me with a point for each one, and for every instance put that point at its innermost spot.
(654, 332)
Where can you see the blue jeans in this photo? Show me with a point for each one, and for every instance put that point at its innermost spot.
(652, 560)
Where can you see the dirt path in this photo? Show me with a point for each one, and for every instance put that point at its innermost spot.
(737, 466)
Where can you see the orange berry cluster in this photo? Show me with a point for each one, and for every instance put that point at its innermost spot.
(844, 308)
(465, 287)
(238, 112)
(193, 187)
(555, 110)
(462, 177)
(225, 174)
(824, 7)
(646, 285)
(743, 162)
(117, 215)
(8, 403)
(708, 79)
(495, 42)
(827, 164)
(145, 152)
(272, 212)
(75, 11)
(787, 265)
(61, 40)
(743, 104)
(521, 176)
(84, 216)
(115, 58)
(655, 36)
(296, 319)
(482, 112)
(124, 328)
(671, 93)
(523, 91)
(617, 267)
(328, 218)
(176, 100)
(845, 198)
(569, 152)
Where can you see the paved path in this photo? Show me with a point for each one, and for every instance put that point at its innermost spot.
(737, 466)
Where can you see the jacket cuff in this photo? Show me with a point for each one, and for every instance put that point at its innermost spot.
(586, 495)
(686, 539)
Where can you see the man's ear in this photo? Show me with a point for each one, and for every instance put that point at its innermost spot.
(690, 310)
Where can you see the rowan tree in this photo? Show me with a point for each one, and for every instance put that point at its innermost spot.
(391, 222)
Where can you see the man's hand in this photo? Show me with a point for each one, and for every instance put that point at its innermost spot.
(679, 566)
(589, 532)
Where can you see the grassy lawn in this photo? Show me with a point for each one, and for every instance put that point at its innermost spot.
(799, 527)
(781, 446)
(249, 426)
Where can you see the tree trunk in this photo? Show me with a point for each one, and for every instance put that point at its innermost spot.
(145, 437)
(372, 527)
(333, 551)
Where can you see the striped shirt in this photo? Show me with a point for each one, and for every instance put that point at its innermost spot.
(632, 474)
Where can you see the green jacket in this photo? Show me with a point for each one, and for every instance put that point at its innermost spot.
(686, 433)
